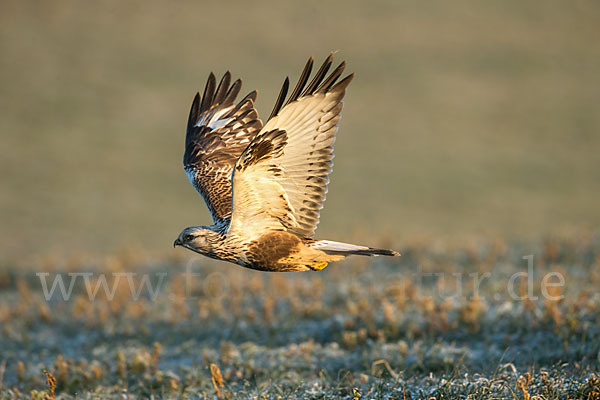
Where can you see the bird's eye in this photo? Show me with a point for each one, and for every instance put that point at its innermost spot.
(188, 238)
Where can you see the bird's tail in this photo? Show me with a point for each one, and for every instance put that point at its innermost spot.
(346, 249)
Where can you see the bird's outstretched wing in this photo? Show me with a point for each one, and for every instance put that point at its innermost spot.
(280, 180)
(218, 131)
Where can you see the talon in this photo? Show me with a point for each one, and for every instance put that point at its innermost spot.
(319, 266)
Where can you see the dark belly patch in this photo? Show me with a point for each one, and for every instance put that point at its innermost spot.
(269, 250)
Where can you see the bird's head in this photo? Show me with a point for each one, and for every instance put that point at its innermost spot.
(201, 239)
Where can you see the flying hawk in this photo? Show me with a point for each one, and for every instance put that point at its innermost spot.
(265, 184)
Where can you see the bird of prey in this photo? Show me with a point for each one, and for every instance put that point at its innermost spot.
(264, 185)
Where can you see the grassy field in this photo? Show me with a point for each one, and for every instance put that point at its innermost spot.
(417, 328)
(469, 117)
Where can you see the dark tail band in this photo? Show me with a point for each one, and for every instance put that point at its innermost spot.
(375, 252)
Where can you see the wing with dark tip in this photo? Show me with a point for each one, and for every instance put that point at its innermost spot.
(280, 180)
(218, 131)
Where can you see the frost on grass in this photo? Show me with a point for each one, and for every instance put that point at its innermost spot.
(440, 321)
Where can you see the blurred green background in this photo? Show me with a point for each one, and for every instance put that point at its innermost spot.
(464, 117)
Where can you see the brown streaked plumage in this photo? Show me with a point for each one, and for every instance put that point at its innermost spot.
(265, 185)
(217, 133)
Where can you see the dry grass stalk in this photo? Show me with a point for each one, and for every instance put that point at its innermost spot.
(387, 367)
(51, 380)
(20, 371)
(157, 349)
(523, 382)
(2, 369)
(216, 379)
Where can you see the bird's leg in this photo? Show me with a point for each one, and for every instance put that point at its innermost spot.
(319, 266)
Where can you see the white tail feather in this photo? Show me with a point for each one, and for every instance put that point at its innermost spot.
(336, 246)
(332, 247)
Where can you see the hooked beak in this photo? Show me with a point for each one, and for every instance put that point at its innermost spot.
(177, 242)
